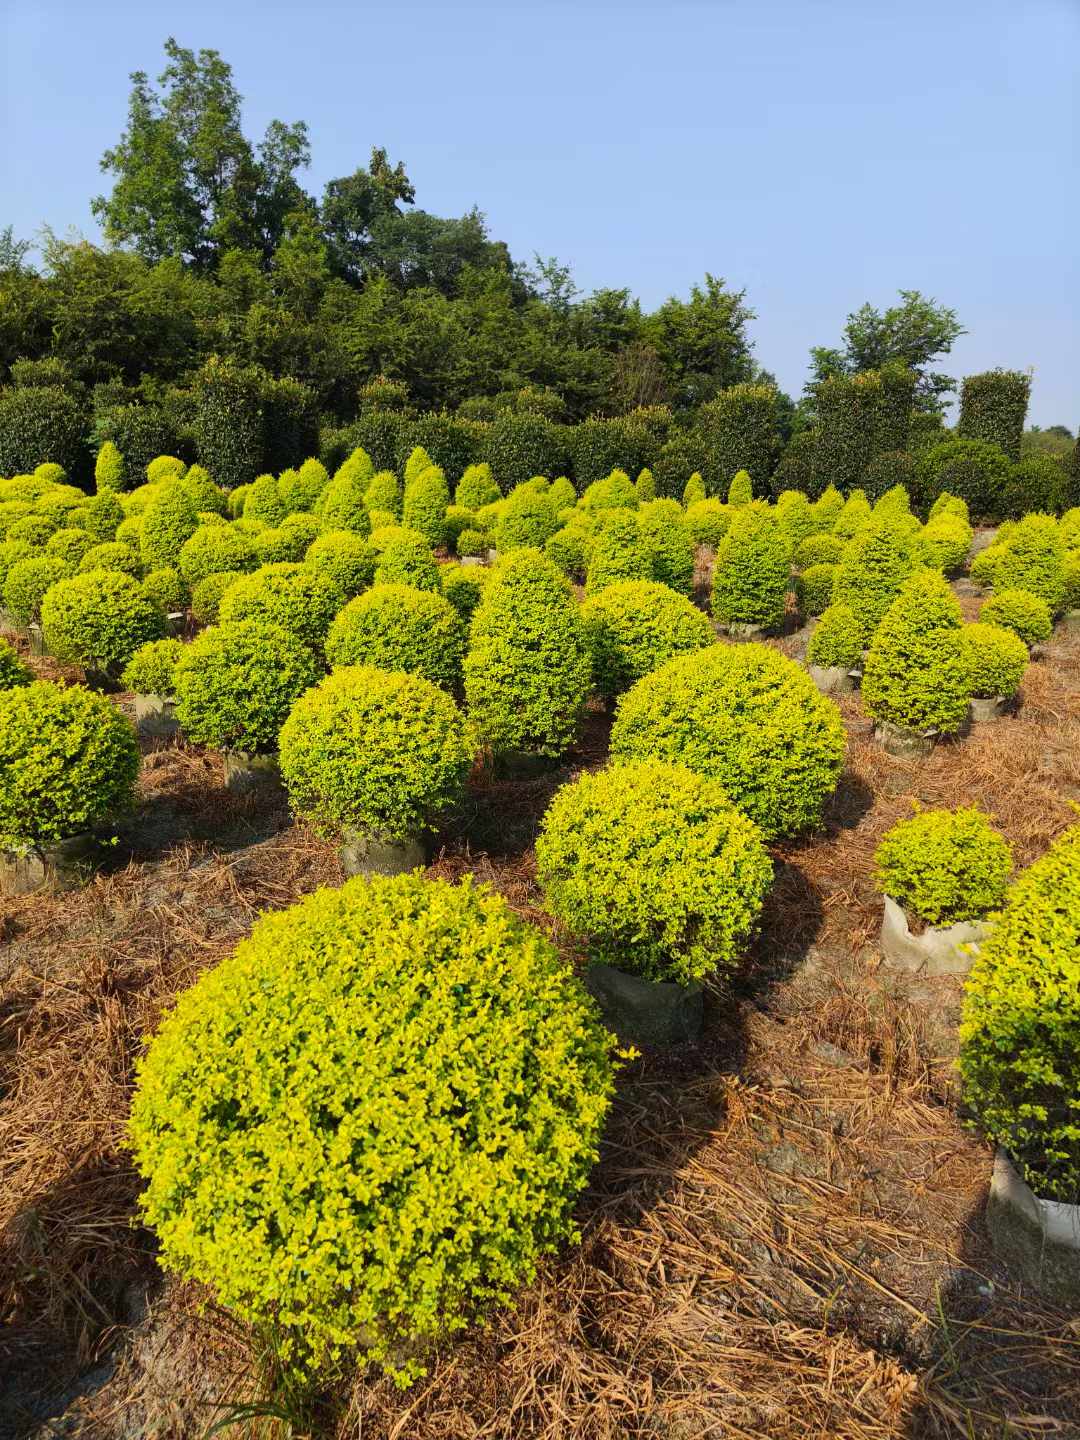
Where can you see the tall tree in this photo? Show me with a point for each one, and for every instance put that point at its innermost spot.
(189, 185)
(702, 341)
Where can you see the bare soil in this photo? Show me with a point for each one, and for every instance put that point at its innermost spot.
(784, 1237)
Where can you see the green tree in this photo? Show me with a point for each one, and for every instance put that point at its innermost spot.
(702, 341)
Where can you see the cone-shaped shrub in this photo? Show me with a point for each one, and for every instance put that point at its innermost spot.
(27, 583)
(828, 508)
(419, 461)
(150, 670)
(440, 1052)
(396, 627)
(476, 488)
(814, 588)
(837, 640)
(1019, 1057)
(165, 467)
(796, 519)
(99, 619)
(344, 558)
(383, 492)
(203, 493)
(68, 762)
(344, 505)
(169, 521)
(645, 486)
(1034, 560)
(741, 490)
(656, 868)
(818, 550)
(374, 750)
(693, 490)
(750, 577)
(634, 627)
(945, 542)
(527, 671)
(528, 519)
(615, 551)
(293, 597)
(213, 548)
(263, 502)
(1020, 611)
(426, 497)
(109, 468)
(358, 466)
(615, 492)
(854, 515)
(914, 676)
(667, 544)
(707, 522)
(562, 494)
(746, 716)
(302, 489)
(944, 865)
(874, 567)
(1071, 599)
(12, 670)
(235, 684)
(995, 658)
(947, 504)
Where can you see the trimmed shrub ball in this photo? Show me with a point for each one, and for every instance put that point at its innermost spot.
(527, 669)
(814, 589)
(1034, 560)
(655, 867)
(837, 640)
(12, 670)
(166, 589)
(1020, 611)
(290, 596)
(68, 762)
(284, 545)
(1019, 1057)
(150, 670)
(169, 521)
(463, 588)
(404, 558)
(995, 658)
(396, 627)
(707, 522)
(70, 545)
(212, 549)
(235, 684)
(818, 550)
(111, 555)
(28, 582)
(206, 597)
(374, 751)
(101, 515)
(944, 865)
(419, 1049)
(750, 577)
(945, 542)
(615, 551)
(748, 717)
(914, 675)
(99, 619)
(636, 626)
(345, 558)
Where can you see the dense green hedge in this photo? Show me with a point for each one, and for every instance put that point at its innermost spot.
(42, 423)
(741, 426)
(993, 407)
(860, 417)
(229, 428)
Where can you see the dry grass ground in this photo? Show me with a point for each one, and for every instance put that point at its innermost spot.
(783, 1238)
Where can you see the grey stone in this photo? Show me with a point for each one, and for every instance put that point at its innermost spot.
(654, 1013)
(371, 855)
(737, 630)
(470, 559)
(907, 744)
(832, 679)
(492, 556)
(991, 707)
(64, 866)
(247, 773)
(939, 950)
(1039, 1240)
(155, 716)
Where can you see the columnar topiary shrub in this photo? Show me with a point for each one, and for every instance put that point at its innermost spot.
(974, 470)
(741, 428)
(99, 619)
(836, 643)
(1020, 611)
(528, 519)
(634, 627)
(213, 548)
(746, 716)
(475, 489)
(374, 751)
(667, 544)
(914, 675)
(39, 423)
(860, 417)
(944, 865)
(109, 468)
(396, 627)
(656, 868)
(150, 670)
(229, 429)
(1019, 1057)
(27, 583)
(12, 670)
(993, 407)
(752, 570)
(995, 658)
(527, 670)
(1033, 559)
(707, 522)
(169, 521)
(68, 761)
(345, 558)
(740, 491)
(304, 486)
(293, 597)
(875, 565)
(814, 588)
(693, 491)
(426, 497)
(615, 551)
(422, 989)
(236, 683)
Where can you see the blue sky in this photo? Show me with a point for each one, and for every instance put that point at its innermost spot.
(818, 153)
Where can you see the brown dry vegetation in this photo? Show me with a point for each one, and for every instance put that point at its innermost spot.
(783, 1238)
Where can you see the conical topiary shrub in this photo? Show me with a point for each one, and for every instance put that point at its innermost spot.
(915, 676)
(750, 577)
